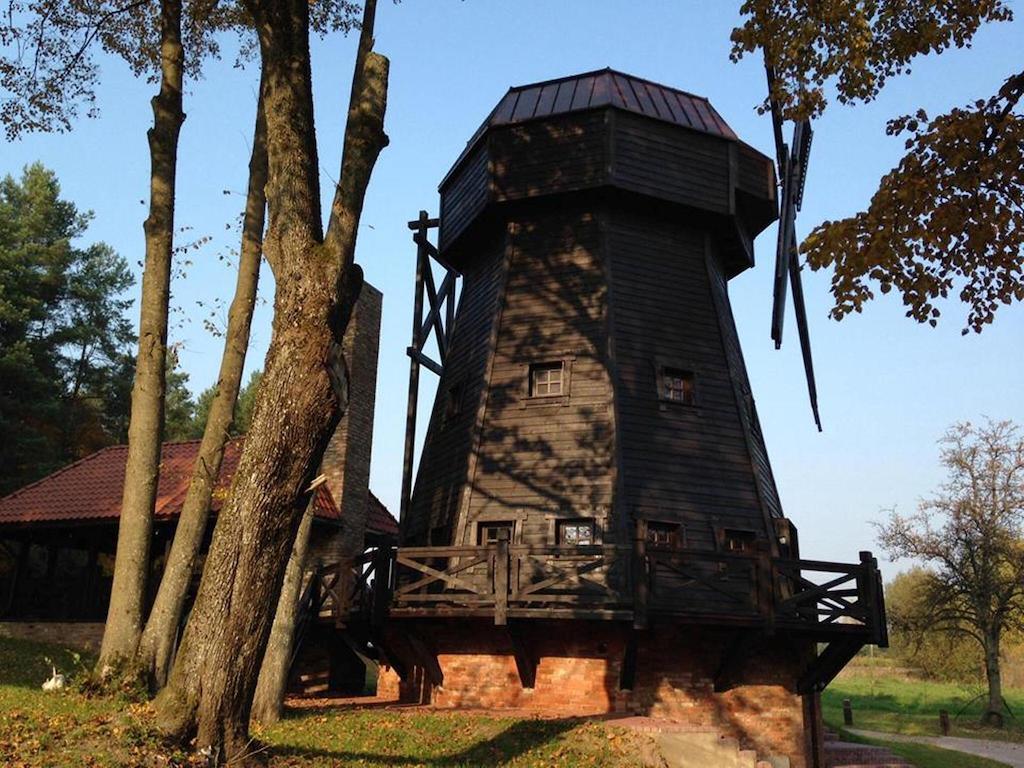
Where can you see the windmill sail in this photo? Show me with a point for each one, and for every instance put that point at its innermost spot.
(793, 172)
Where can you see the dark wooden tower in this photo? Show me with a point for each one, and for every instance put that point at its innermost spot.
(594, 501)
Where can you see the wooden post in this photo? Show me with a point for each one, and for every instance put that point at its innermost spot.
(847, 712)
(641, 580)
(414, 372)
(944, 722)
(501, 580)
(867, 586)
(381, 586)
(766, 589)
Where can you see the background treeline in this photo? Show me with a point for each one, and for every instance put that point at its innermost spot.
(66, 340)
(936, 655)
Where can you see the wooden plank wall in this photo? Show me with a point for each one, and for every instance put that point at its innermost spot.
(465, 195)
(563, 154)
(444, 462)
(681, 166)
(686, 464)
(540, 459)
(748, 411)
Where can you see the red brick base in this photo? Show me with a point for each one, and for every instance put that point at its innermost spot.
(579, 672)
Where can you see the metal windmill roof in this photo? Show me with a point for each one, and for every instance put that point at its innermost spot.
(601, 88)
(607, 87)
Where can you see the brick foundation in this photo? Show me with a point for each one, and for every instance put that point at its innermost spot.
(83, 635)
(579, 672)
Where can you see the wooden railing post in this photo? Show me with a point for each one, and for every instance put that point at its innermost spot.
(381, 595)
(765, 578)
(501, 579)
(641, 577)
(869, 589)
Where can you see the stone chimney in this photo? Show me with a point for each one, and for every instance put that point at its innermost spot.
(346, 461)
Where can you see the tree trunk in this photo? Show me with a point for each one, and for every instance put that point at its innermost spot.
(131, 568)
(157, 645)
(268, 702)
(301, 396)
(994, 709)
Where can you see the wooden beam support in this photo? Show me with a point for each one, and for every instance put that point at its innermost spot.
(627, 674)
(526, 659)
(828, 664)
(386, 654)
(427, 656)
(419, 359)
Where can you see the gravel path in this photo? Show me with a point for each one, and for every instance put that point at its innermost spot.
(1004, 751)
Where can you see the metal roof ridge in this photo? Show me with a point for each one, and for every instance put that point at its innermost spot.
(593, 72)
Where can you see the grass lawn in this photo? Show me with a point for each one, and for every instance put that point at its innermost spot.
(924, 756)
(884, 703)
(69, 730)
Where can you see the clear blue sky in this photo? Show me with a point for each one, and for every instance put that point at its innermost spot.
(888, 387)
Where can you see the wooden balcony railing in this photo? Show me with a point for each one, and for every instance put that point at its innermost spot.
(504, 580)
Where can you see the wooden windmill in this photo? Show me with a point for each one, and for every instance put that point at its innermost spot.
(594, 524)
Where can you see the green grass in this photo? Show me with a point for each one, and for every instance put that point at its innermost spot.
(925, 756)
(70, 730)
(884, 703)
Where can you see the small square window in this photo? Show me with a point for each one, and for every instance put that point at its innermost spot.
(738, 541)
(576, 533)
(547, 379)
(662, 535)
(677, 385)
(491, 533)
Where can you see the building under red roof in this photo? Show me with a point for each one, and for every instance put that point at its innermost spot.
(91, 489)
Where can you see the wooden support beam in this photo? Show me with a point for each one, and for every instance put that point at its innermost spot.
(627, 674)
(501, 580)
(386, 654)
(641, 576)
(526, 659)
(828, 664)
(427, 656)
(420, 359)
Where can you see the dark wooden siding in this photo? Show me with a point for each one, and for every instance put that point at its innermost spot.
(465, 196)
(441, 477)
(754, 173)
(543, 460)
(687, 464)
(657, 159)
(747, 410)
(563, 154)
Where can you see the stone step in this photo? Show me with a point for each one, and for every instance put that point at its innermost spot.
(708, 749)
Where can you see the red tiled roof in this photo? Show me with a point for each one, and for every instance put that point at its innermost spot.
(378, 519)
(91, 488)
